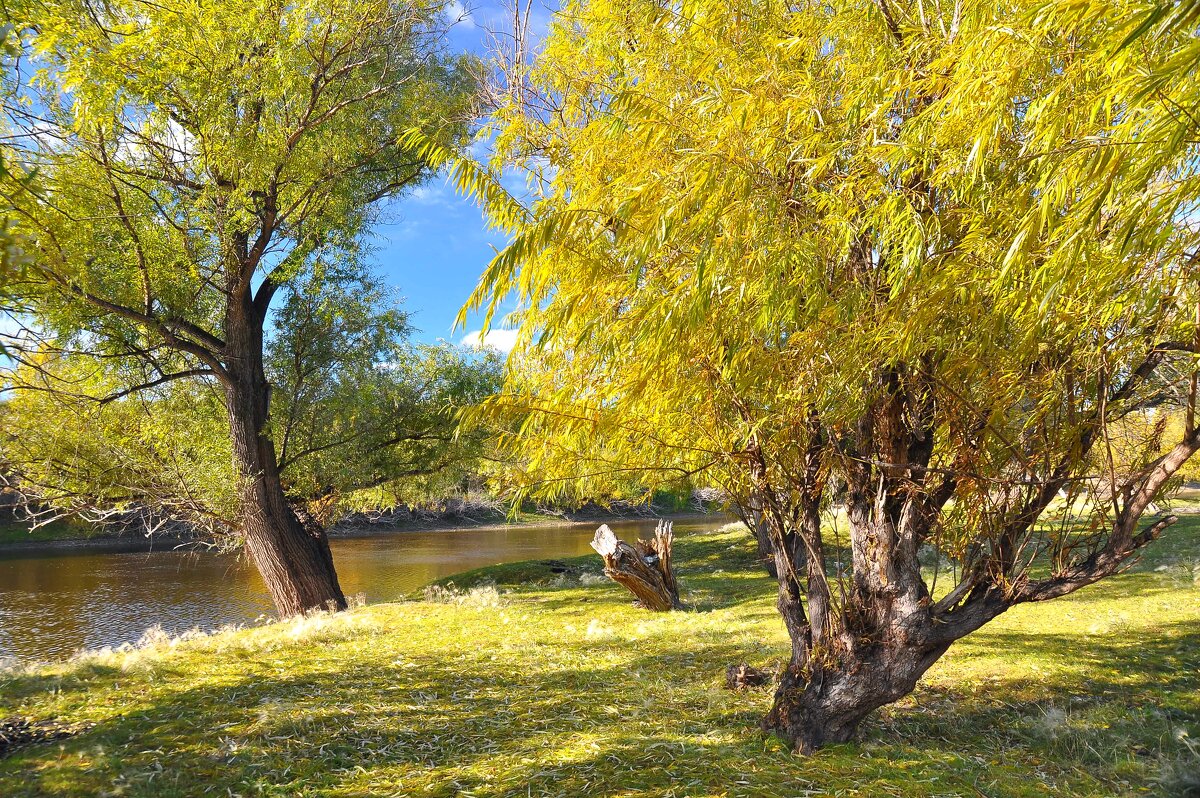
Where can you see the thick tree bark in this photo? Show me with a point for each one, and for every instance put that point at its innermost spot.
(822, 704)
(866, 644)
(644, 568)
(851, 659)
(293, 558)
(875, 652)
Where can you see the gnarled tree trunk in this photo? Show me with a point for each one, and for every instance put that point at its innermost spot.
(643, 568)
(825, 703)
(867, 646)
(867, 643)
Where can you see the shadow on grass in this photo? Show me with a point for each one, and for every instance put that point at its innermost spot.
(641, 724)
(572, 714)
(328, 725)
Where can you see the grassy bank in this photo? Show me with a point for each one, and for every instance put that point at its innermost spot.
(16, 532)
(562, 688)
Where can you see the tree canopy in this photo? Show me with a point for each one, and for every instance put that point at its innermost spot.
(909, 262)
(356, 406)
(174, 142)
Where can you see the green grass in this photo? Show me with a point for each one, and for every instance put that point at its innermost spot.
(14, 532)
(546, 685)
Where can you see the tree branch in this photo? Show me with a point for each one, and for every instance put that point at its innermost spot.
(1103, 563)
(163, 380)
(163, 328)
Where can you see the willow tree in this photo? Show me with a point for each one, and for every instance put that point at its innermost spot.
(11, 254)
(891, 272)
(193, 158)
(362, 417)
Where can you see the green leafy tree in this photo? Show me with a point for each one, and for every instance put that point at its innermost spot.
(11, 253)
(193, 159)
(891, 273)
(157, 460)
(356, 408)
(359, 408)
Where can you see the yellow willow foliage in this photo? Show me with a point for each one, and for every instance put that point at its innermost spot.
(748, 211)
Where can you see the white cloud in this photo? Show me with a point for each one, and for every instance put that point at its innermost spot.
(501, 340)
(440, 195)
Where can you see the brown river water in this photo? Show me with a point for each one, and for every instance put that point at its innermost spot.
(56, 602)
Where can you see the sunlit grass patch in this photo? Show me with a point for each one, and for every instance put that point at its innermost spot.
(542, 679)
(481, 595)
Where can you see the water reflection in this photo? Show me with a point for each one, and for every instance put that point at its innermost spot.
(53, 604)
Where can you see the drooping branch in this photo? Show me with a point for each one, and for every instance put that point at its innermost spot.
(996, 570)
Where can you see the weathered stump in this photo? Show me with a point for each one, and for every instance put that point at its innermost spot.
(644, 568)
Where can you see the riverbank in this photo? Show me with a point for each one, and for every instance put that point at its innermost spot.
(525, 520)
(538, 680)
(13, 533)
(70, 537)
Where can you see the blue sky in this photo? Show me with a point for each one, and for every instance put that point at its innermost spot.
(432, 250)
(434, 244)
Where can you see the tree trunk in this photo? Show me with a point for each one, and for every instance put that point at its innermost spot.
(295, 562)
(760, 525)
(848, 661)
(753, 513)
(824, 704)
(644, 568)
(873, 654)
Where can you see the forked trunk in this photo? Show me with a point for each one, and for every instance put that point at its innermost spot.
(867, 644)
(849, 660)
(293, 558)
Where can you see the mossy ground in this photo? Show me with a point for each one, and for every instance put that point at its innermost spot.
(555, 685)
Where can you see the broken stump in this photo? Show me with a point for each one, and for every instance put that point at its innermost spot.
(644, 568)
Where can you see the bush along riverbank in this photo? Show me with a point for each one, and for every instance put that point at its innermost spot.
(541, 679)
(448, 514)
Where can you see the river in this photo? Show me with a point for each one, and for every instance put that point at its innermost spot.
(56, 602)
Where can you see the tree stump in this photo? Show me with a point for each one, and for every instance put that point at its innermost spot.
(644, 568)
